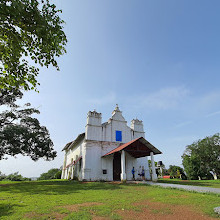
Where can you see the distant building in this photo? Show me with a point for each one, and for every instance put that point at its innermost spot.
(109, 151)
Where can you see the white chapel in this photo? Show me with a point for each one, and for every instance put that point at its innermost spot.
(109, 151)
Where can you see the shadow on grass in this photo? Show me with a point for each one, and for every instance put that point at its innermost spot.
(7, 209)
(56, 187)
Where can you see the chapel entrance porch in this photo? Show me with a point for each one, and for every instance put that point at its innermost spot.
(136, 148)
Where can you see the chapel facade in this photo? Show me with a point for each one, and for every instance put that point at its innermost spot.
(109, 151)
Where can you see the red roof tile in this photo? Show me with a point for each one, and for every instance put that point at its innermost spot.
(147, 145)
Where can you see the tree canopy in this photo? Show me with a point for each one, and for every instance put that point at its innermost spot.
(20, 132)
(31, 35)
(175, 171)
(30, 30)
(202, 158)
(13, 177)
(51, 174)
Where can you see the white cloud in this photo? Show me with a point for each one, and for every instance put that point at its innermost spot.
(213, 114)
(166, 98)
(210, 100)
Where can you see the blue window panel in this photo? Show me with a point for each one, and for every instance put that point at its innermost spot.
(118, 135)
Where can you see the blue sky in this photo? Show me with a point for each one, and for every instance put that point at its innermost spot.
(159, 60)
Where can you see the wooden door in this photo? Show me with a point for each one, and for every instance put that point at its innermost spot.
(117, 166)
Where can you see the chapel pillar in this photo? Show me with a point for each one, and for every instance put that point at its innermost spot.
(154, 175)
(123, 173)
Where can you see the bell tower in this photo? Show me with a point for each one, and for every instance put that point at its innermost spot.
(94, 126)
(138, 128)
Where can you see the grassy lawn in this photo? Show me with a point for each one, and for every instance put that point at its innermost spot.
(76, 200)
(206, 183)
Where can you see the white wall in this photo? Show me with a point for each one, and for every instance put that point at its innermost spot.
(130, 163)
(71, 155)
(94, 163)
(143, 161)
(107, 132)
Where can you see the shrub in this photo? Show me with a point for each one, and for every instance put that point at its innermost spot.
(14, 177)
(51, 174)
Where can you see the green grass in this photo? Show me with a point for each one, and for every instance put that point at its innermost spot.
(44, 199)
(206, 183)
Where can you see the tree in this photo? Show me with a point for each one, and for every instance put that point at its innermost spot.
(2, 176)
(149, 163)
(175, 171)
(202, 158)
(20, 133)
(165, 172)
(16, 177)
(192, 166)
(30, 30)
(51, 174)
(178, 174)
(13, 177)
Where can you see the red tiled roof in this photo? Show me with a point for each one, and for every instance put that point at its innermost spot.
(132, 148)
(73, 163)
(121, 147)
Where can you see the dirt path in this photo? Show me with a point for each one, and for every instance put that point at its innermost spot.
(142, 210)
(160, 211)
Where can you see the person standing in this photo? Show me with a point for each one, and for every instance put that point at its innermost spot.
(143, 173)
(139, 173)
(133, 173)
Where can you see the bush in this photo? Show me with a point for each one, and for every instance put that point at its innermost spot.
(14, 177)
(2, 176)
(175, 171)
(58, 174)
(51, 174)
(183, 177)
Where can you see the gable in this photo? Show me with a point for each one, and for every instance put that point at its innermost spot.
(117, 115)
(72, 144)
